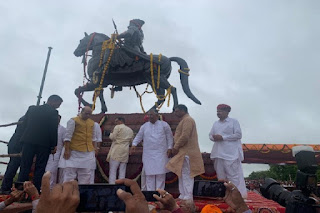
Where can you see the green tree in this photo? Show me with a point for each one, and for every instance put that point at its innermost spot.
(283, 172)
(277, 172)
(259, 175)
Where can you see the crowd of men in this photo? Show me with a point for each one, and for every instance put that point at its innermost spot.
(73, 149)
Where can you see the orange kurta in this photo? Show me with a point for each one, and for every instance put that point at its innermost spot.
(186, 141)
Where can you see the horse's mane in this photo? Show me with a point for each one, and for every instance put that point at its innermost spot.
(101, 36)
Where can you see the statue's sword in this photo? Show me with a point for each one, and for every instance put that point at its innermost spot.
(115, 26)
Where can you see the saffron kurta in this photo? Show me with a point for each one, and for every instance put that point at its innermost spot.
(157, 139)
(186, 141)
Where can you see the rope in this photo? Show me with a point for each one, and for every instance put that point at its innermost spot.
(4, 142)
(84, 72)
(86, 56)
(102, 172)
(140, 96)
(10, 155)
(185, 73)
(11, 124)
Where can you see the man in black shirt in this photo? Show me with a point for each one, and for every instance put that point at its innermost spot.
(14, 147)
(39, 138)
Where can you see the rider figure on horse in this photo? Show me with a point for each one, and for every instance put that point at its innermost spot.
(133, 37)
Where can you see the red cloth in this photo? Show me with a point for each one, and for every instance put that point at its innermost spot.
(224, 107)
(255, 202)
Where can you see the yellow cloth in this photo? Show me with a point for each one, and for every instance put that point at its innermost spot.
(210, 208)
(82, 136)
(121, 138)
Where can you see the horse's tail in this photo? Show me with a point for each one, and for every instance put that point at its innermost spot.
(184, 74)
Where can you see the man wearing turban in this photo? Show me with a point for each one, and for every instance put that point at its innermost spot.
(227, 150)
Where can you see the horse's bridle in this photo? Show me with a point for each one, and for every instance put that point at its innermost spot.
(86, 56)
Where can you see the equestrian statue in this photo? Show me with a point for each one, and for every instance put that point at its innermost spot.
(120, 61)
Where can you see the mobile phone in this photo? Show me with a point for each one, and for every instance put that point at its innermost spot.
(101, 198)
(149, 195)
(18, 185)
(204, 188)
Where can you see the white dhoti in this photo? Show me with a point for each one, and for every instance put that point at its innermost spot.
(231, 170)
(185, 181)
(143, 180)
(92, 176)
(157, 140)
(52, 167)
(60, 175)
(154, 182)
(83, 175)
(79, 166)
(113, 167)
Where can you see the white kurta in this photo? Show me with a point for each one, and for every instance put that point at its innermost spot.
(85, 160)
(98, 133)
(157, 139)
(230, 148)
(53, 160)
(228, 154)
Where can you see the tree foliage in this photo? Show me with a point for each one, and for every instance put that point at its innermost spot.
(277, 172)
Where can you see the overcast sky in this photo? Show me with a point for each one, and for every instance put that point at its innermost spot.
(260, 57)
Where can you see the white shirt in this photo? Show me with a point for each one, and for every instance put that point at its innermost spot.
(98, 133)
(230, 148)
(86, 160)
(157, 139)
(53, 159)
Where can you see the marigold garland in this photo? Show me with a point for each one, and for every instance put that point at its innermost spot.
(109, 44)
(159, 97)
(158, 83)
(207, 176)
(174, 179)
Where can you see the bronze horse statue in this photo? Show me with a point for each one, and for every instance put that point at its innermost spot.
(129, 69)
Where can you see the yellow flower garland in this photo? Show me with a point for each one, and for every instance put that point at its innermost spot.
(159, 97)
(109, 44)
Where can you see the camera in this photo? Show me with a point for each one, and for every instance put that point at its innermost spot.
(306, 183)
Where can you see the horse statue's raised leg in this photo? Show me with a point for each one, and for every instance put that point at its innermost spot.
(90, 87)
(103, 103)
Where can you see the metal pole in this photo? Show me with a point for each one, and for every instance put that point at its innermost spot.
(44, 76)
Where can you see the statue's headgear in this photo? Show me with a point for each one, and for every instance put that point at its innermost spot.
(224, 107)
(137, 22)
